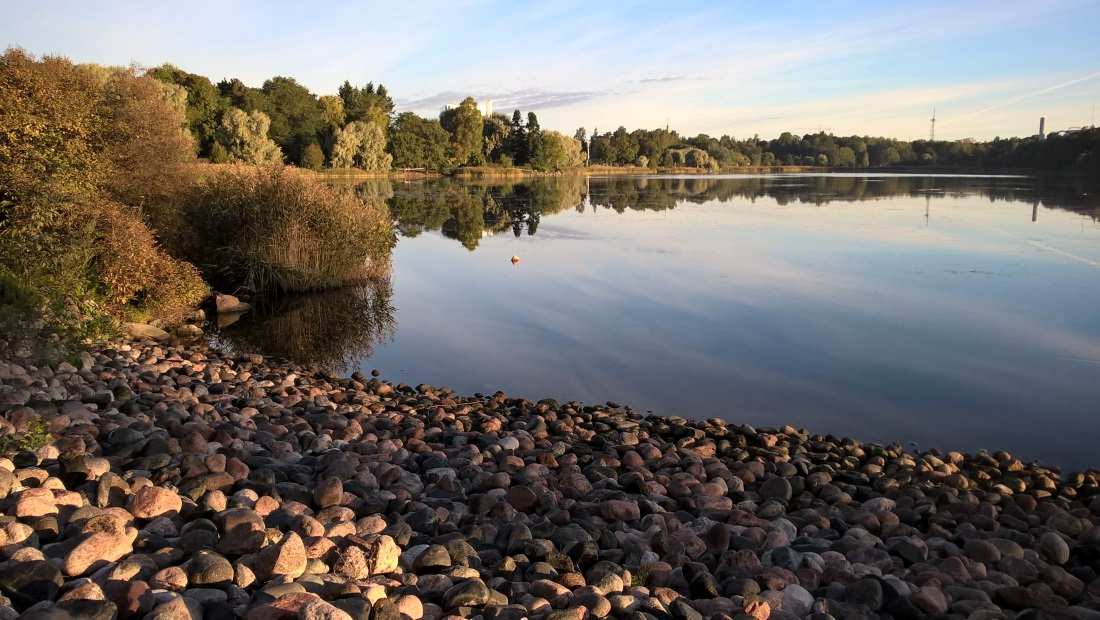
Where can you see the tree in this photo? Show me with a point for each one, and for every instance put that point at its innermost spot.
(366, 103)
(296, 116)
(532, 123)
(845, 158)
(624, 146)
(237, 95)
(580, 136)
(245, 137)
(517, 140)
(333, 119)
(218, 154)
(204, 103)
(600, 150)
(495, 137)
(312, 157)
(464, 123)
(553, 151)
(417, 142)
(147, 141)
(75, 140)
(361, 145)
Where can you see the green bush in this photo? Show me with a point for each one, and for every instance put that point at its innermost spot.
(277, 229)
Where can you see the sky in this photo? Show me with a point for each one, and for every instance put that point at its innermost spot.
(739, 68)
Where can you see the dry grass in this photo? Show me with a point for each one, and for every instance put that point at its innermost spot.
(277, 229)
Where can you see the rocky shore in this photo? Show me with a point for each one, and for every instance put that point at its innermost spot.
(177, 483)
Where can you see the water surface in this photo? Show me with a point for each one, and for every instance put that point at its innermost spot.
(953, 312)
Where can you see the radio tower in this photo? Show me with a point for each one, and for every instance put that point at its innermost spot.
(932, 133)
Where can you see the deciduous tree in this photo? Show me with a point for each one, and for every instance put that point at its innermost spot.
(417, 142)
(361, 145)
(245, 137)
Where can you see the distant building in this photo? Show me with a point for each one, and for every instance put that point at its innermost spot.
(485, 107)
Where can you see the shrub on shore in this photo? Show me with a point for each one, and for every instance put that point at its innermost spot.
(277, 229)
(75, 140)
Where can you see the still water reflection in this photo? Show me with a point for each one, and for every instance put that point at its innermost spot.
(956, 312)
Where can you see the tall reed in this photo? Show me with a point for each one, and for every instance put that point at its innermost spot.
(276, 229)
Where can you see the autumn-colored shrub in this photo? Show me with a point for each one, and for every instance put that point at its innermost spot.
(75, 141)
(279, 229)
(139, 279)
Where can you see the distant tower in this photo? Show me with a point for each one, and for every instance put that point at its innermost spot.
(1042, 127)
(932, 133)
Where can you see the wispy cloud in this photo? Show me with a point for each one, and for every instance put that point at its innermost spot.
(1037, 93)
(671, 78)
(523, 99)
(708, 67)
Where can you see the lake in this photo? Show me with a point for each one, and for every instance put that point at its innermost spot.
(956, 312)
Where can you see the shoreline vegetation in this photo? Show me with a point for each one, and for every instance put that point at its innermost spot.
(130, 194)
(165, 480)
(179, 481)
(360, 128)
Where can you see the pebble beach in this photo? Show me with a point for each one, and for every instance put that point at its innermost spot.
(176, 482)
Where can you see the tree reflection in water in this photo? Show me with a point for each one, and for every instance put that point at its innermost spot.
(329, 329)
(468, 210)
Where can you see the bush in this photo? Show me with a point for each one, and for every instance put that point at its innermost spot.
(140, 281)
(218, 154)
(74, 141)
(312, 157)
(276, 229)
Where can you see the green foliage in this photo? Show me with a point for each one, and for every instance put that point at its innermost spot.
(624, 146)
(219, 154)
(464, 123)
(366, 104)
(553, 151)
(204, 104)
(36, 436)
(296, 115)
(361, 145)
(845, 157)
(312, 157)
(639, 577)
(245, 136)
(275, 229)
(690, 157)
(495, 137)
(517, 146)
(417, 142)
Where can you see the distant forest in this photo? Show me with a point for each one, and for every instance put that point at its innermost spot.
(282, 121)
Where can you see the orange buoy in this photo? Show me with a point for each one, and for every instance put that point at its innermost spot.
(515, 259)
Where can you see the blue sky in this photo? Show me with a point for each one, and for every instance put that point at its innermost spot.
(742, 68)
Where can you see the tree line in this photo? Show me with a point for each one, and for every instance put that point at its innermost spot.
(665, 148)
(282, 121)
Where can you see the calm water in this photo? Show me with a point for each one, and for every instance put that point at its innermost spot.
(955, 312)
